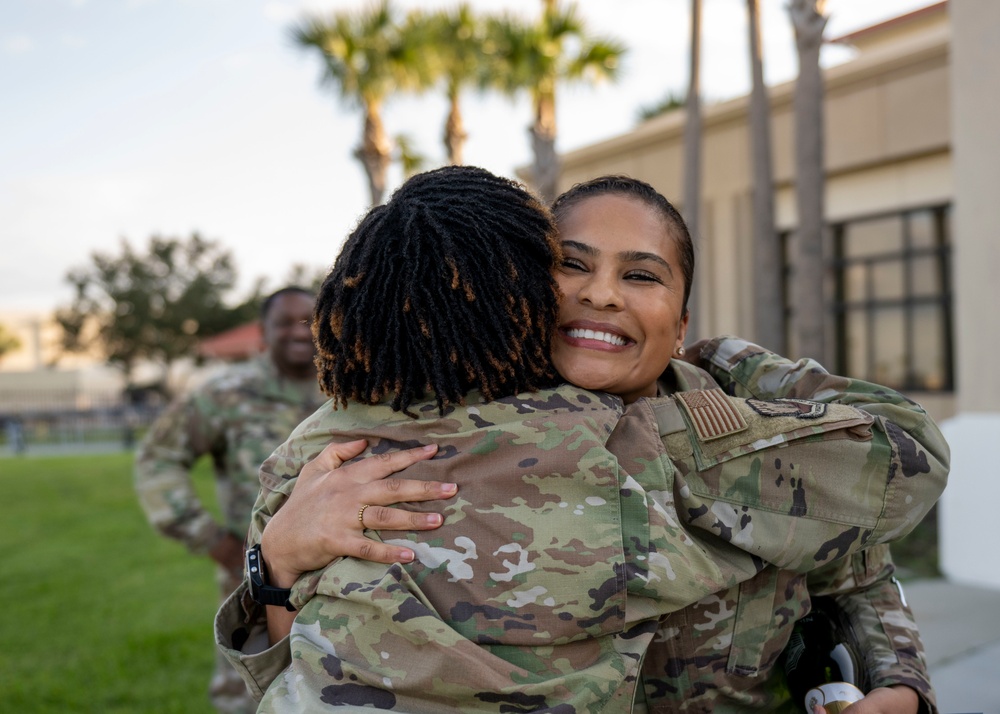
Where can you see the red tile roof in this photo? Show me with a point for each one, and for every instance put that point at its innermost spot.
(232, 345)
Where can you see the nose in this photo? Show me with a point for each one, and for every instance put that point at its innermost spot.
(601, 291)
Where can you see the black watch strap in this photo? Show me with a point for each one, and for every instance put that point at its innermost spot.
(260, 591)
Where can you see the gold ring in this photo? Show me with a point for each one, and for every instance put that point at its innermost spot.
(361, 515)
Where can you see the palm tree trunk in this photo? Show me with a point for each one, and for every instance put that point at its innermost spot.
(810, 315)
(768, 304)
(454, 131)
(375, 152)
(545, 169)
(692, 146)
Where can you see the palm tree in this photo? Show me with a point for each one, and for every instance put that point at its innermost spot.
(411, 161)
(536, 57)
(692, 147)
(768, 304)
(809, 22)
(454, 41)
(367, 58)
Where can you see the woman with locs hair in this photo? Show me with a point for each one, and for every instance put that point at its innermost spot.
(562, 549)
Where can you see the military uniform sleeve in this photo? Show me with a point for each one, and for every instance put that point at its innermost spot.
(917, 460)
(241, 636)
(183, 434)
(887, 638)
(241, 624)
(862, 585)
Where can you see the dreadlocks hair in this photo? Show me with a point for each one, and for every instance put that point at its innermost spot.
(641, 191)
(446, 288)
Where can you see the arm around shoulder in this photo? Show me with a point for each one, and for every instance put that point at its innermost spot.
(909, 452)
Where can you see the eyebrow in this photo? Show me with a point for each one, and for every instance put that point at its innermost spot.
(627, 256)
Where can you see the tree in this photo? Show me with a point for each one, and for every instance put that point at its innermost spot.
(692, 146)
(455, 39)
(669, 103)
(153, 306)
(8, 342)
(409, 158)
(807, 284)
(769, 308)
(538, 56)
(367, 58)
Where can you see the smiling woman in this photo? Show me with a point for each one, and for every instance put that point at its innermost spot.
(625, 279)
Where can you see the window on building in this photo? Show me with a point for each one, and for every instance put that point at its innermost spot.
(892, 303)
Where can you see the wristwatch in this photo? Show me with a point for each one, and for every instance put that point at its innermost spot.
(260, 592)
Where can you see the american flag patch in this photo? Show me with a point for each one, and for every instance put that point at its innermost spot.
(712, 413)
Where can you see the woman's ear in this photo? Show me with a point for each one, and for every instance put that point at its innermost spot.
(682, 328)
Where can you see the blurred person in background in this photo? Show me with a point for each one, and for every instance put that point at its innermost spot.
(237, 418)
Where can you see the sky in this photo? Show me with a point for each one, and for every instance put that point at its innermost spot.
(124, 119)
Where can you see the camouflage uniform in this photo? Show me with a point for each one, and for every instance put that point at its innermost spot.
(237, 418)
(720, 654)
(487, 620)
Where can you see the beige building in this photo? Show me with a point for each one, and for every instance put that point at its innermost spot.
(913, 169)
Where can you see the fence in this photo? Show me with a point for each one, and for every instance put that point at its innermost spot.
(53, 422)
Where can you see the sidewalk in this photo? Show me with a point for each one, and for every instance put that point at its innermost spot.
(960, 627)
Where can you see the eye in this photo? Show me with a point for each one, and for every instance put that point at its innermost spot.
(642, 276)
(573, 264)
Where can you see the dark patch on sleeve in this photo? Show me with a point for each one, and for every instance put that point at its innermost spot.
(608, 589)
(725, 532)
(385, 446)
(799, 507)
(612, 613)
(696, 513)
(332, 666)
(912, 459)
(410, 609)
(465, 611)
(527, 463)
(517, 702)
(359, 695)
(480, 423)
(838, 545)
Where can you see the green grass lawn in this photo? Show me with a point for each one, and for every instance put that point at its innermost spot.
(100, 614)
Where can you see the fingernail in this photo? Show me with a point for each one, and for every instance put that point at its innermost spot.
(406, 556)
(430, 447)
(434, 519)
(449, 487)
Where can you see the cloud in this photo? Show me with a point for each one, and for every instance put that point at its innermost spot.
(17, 44)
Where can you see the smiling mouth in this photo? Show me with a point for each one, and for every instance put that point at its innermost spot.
(608, 337)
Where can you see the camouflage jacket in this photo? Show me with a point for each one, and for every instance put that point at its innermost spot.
(487, 619)
(237, 418)
(720, 654)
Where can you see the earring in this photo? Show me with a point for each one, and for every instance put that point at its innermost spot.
(681, 351)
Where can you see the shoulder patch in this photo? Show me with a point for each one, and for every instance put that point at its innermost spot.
(712, 413)
(783, 407)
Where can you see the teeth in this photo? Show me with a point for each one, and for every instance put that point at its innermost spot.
(596, 335)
